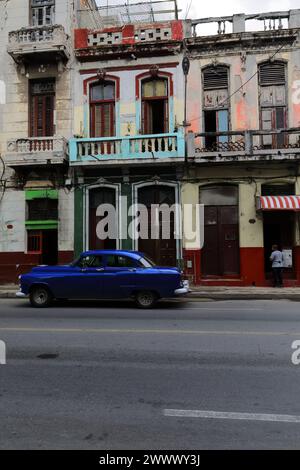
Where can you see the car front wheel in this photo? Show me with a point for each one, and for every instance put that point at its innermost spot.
(145, 299)
(40, 297)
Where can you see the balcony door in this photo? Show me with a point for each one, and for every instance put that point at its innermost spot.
(42, 102)
(102, 109)
(42, 12)
(155, 106)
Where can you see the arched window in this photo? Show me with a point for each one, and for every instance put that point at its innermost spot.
(155, 106)
(102, 109)
(215, 81)
(273, 101)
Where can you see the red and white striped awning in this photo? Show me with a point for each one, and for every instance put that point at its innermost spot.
(279, 203)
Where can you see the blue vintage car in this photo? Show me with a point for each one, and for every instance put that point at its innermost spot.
(103, 275)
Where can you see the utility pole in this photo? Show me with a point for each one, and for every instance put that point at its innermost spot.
(186, 68)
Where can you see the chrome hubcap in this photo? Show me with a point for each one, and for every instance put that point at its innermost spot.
(40, 297)
(146, 299)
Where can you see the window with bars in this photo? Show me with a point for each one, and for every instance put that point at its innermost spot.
(42, 209)
(34, 242)
(42, 103)
(42, 12)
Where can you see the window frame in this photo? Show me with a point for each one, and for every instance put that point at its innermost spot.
(145, 104)
(93, 104)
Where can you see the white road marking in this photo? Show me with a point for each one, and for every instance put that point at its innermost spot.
(233, 416)
(221, 309)
(149, 331)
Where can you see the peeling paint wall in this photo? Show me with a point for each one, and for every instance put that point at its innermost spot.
(128, 108)
(244, 104)
(14, 120)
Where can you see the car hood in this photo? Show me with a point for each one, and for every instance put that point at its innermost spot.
(168, 268)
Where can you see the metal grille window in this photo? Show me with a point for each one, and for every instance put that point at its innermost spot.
(272, 74)
(42, 12)
(34, 242)
(42, 209)
(215, 78)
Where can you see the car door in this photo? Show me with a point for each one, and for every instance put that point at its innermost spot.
(86, 280)
(120, 276)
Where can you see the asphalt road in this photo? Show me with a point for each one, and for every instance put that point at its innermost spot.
(187, 375)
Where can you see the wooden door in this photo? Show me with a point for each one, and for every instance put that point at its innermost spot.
(220, 255)
(97, 197)
(162, 251)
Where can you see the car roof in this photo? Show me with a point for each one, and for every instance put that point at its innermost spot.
(132, 254)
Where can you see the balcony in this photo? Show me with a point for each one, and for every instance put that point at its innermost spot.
(129, 149)
(282, 144)
(36, 151)
(38, 43)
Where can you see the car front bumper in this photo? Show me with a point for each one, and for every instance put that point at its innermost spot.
(20, 295)
(183, 290)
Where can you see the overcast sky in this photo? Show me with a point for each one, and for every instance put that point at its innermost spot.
(205, 8)
(195, 9)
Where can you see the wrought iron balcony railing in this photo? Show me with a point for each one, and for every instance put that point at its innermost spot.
(244, 144)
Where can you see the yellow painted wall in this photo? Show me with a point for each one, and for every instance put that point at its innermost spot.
(251, 234)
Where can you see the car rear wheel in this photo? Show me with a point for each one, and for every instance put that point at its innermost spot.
(40, 297)
(146, 299)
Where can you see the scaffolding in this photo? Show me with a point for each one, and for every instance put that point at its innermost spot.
(114, 13)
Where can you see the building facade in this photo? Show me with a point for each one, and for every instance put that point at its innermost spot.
(36, 123)
(129, 145)
(93, 113)
(243, 148)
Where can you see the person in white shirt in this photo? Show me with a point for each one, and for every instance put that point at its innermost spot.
(277, 265)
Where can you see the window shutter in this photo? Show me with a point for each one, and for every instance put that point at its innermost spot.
(272, 74)
(215, 78)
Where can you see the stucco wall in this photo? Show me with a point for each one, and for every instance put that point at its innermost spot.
(128, 109)
(14, 112)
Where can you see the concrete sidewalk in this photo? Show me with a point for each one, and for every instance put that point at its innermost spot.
(245, 293)
(213, 293)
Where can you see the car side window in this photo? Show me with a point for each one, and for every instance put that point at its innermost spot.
(97, 262)
(117, 261)
(90, 262)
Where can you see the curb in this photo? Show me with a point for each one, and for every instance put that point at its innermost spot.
(208, 296)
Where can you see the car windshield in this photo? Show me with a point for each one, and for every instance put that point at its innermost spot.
(75, 262)
(146, 262)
